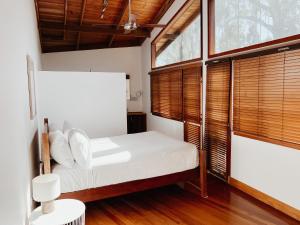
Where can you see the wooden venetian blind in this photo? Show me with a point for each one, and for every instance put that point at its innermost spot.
(217, 129)
(192, 134)
(267, 98)
(192, 88)
(166, 94)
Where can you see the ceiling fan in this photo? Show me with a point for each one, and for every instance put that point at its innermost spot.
(131, 24)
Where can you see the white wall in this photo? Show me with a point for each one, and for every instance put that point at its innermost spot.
(126, 60)
(18, 134)
(269, 168)
(94, 102)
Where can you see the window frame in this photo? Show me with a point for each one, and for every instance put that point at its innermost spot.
(173, 20)
(211, 37)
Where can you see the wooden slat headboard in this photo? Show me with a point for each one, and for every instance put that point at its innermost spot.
(46, 148)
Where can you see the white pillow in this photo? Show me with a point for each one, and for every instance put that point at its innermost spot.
(80, 147)
(67, 127)
(60, 149)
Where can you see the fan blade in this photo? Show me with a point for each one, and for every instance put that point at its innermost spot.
(104, 24)
(152, 25)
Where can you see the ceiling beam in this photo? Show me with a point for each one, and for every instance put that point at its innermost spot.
(50, 47)
(125, 5)
(172, 37)
(51, 37)
(81, 21)
(164, 8)
(162, 48)
(92, 29)
(189, 21)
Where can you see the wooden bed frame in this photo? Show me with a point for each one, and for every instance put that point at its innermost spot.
(95, 194)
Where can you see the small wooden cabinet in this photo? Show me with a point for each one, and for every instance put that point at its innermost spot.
(136, 122)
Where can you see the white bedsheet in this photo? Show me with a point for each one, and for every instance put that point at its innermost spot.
(127, 158)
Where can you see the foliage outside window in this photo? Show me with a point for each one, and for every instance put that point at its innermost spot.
(236, 24)
(185, 47)
(180, 41)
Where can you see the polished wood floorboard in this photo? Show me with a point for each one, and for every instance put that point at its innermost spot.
(172, 205)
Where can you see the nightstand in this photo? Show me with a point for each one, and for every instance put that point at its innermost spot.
(136, 122)
(67, 211)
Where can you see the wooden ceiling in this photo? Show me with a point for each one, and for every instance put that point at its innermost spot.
(69, 25)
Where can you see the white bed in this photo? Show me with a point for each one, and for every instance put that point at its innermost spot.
(127, 158)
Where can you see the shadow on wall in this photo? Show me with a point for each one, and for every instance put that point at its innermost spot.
(34, 170)
(35, 155)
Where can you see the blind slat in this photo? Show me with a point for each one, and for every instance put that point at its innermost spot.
(267, 98)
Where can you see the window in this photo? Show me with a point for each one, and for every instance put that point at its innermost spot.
(166, 94)
(237, 25)
(192, 113)
(176, 93)
(192, 92)
(185, 46)
(267, 99)
(217, 129)
(180, 41)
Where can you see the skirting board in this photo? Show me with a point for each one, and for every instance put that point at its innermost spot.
(289, 210)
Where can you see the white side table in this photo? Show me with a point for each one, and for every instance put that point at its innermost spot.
(67, 211)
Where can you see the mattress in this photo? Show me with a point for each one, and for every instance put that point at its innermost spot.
(127, 158)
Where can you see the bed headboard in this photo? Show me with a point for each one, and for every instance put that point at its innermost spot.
(46, 148)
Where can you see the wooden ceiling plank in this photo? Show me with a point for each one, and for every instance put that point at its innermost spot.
(92, 29)
(125, 5)
(81, 21)
(164, 8)
(56, 16)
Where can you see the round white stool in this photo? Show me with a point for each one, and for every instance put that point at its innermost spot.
(66, 212)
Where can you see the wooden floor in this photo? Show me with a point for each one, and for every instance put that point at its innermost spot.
(171, 205)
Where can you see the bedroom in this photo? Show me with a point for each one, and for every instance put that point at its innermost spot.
(76, 63)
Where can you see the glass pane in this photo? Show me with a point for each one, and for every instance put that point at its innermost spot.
(241, 23)
(182, 40)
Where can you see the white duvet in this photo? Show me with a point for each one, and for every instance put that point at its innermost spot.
(127, 158)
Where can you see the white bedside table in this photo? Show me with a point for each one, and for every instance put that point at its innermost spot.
(67, 211)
